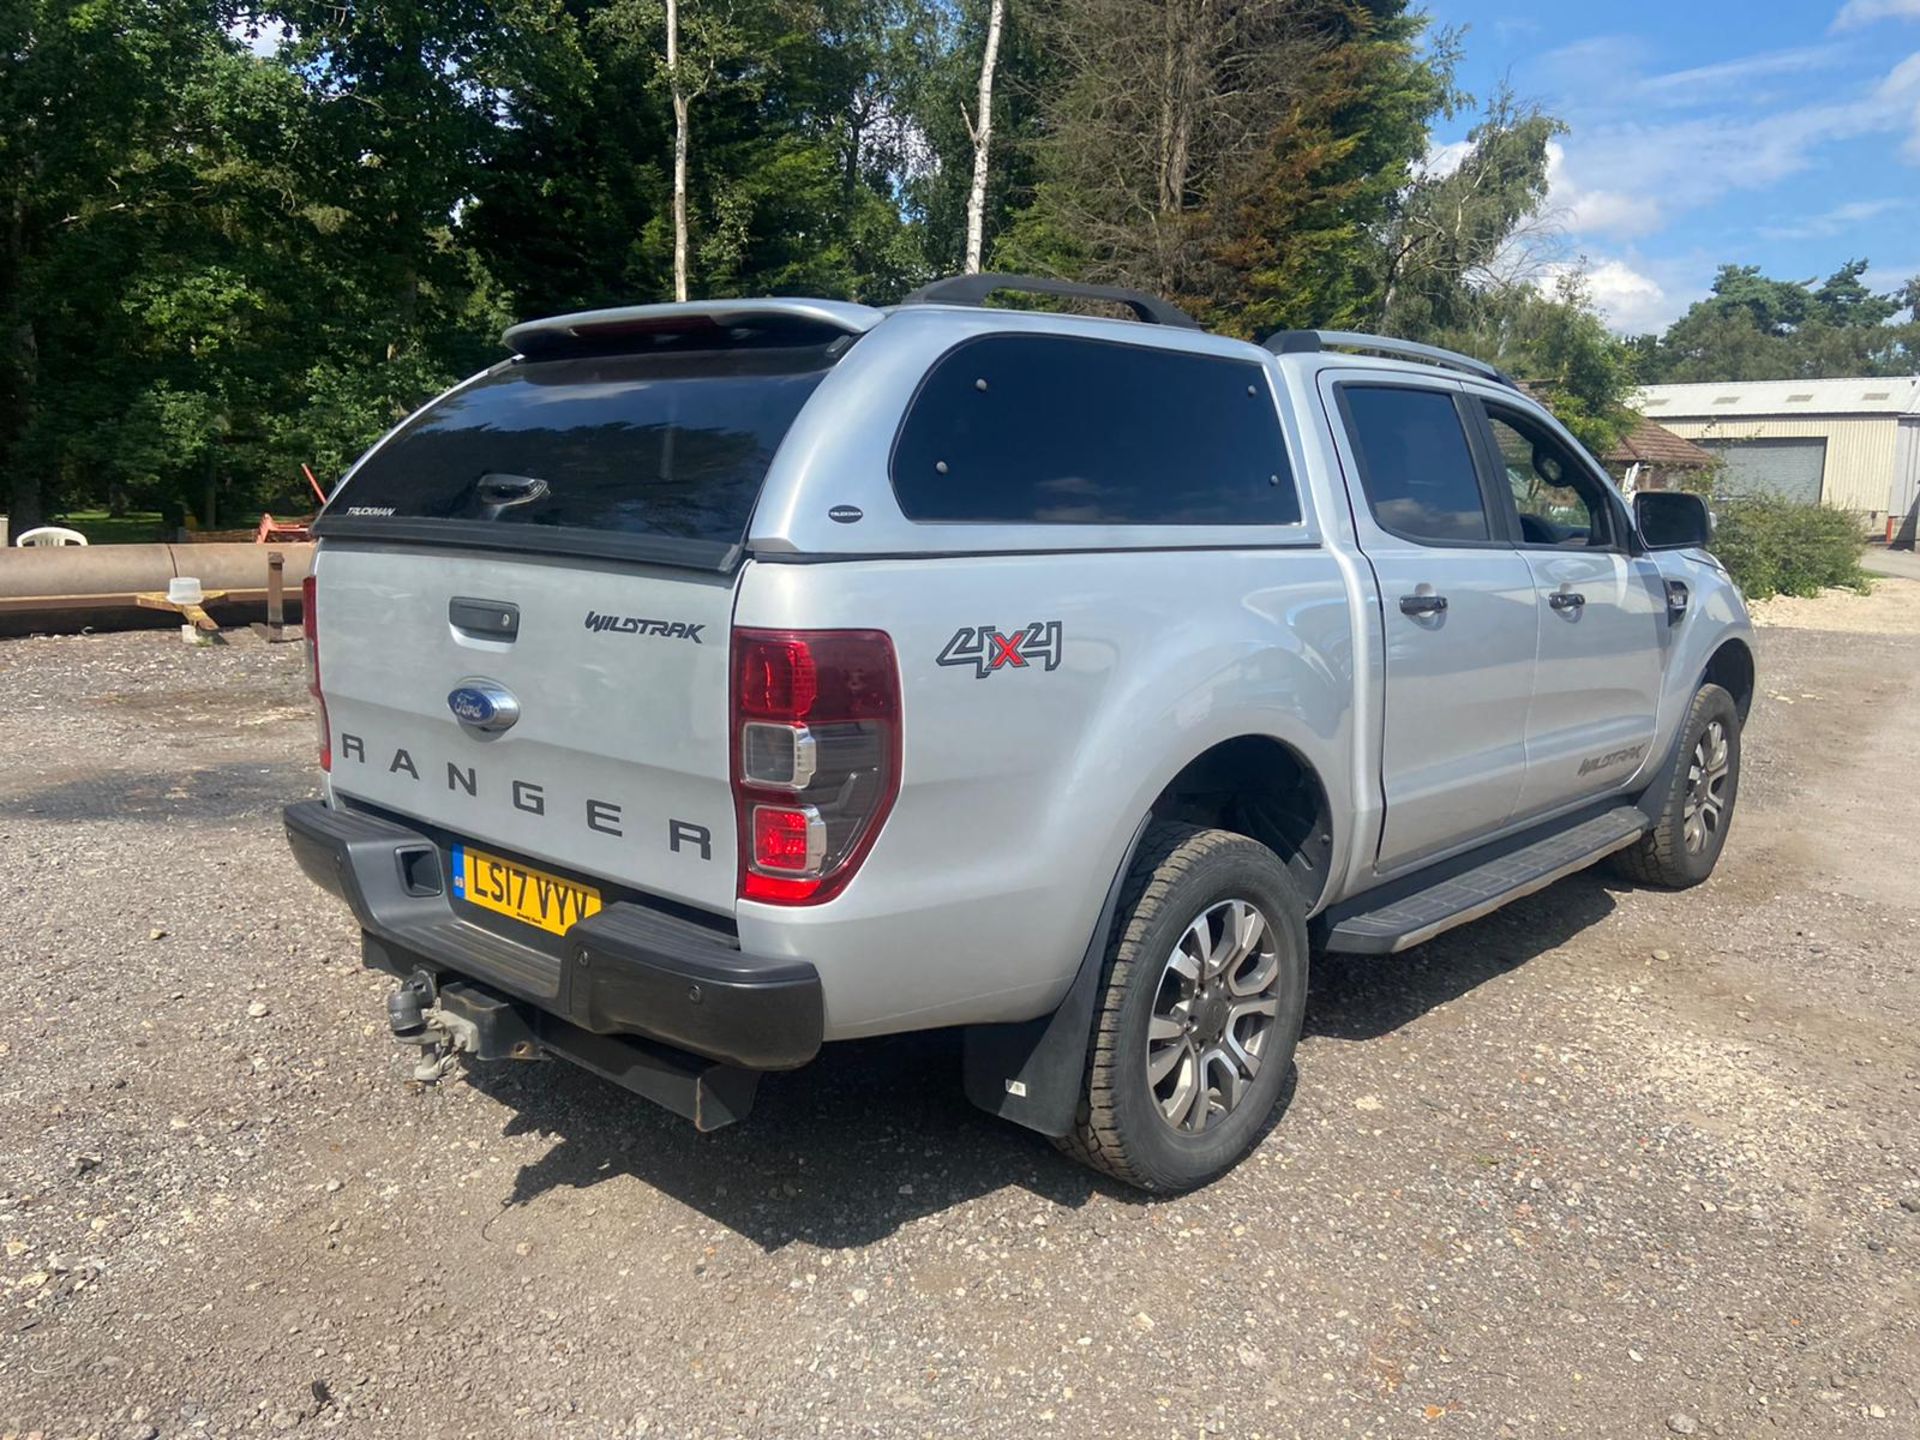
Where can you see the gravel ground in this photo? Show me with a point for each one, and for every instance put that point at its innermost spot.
(1890, 607)
(1611, 1163)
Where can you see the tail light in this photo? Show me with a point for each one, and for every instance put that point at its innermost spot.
(310, 626)
(816, 757)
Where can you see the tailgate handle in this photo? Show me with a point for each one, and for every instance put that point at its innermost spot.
(484, 619)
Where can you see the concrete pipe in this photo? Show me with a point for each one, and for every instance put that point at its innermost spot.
(74, 587)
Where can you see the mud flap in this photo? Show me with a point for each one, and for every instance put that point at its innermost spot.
(1031, 1072)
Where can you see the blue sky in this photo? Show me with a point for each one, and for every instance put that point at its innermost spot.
(1778, 133)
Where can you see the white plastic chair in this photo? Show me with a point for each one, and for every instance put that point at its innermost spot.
(51, 535)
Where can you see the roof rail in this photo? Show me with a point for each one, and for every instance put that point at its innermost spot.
(974, 290)
(1306, 342)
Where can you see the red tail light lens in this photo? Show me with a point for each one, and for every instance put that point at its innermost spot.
(778, 680)
(816, 757)
(310, 626)
(788, 839)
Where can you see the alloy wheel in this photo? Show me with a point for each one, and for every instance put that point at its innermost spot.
(1214, 1007)
(1707, 774)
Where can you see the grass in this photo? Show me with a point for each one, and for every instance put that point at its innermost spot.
(136, 527)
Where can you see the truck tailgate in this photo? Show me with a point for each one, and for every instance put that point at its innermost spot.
(618, 763)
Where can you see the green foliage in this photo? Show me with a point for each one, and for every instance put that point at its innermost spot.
(1446, 253)
(1754, 327)
(228, 264)
(1781, 547)
(1557, 346)
(1239, 160)
(223, 264)
(1450, 231)
(208, 237)
(1773, 546)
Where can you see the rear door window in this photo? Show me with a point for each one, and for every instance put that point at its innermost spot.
(655, 448)
(1058, 430)
(1416, 464)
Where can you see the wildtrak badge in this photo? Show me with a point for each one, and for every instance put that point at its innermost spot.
(636, 625)
(1611, 758)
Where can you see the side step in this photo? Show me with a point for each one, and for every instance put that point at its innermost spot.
(1412, 918)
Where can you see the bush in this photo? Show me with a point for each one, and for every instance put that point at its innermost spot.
(1781, 547)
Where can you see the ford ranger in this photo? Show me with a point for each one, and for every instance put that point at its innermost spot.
(706, 683)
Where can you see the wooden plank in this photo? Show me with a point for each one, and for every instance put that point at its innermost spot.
(157, 600)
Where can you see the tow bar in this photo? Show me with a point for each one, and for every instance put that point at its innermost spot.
(447, 1017)
(453, 1019)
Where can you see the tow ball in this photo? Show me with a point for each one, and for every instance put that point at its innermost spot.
(416, 1017)
(449, 1020)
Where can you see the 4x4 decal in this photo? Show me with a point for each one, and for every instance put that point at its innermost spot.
(987, 649)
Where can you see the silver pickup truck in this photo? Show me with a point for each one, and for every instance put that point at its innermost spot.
(709, 682)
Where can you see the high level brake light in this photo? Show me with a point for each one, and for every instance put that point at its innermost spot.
(816, 757)
(310, 627)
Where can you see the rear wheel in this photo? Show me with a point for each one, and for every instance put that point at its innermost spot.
(1691, 829)
(1200, 1009)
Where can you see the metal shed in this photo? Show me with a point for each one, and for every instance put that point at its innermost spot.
(1851, 444)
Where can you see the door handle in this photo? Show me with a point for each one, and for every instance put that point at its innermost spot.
(1567, 600)
(1423, 604)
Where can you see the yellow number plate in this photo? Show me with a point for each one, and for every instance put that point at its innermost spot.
(528, 895)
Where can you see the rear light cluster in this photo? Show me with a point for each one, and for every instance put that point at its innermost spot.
(816, 757)
(310, 626)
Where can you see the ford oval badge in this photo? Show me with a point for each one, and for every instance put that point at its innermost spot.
(483, 705)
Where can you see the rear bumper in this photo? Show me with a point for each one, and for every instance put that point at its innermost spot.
(627, 970)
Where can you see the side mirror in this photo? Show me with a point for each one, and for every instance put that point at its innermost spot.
(1672, 520)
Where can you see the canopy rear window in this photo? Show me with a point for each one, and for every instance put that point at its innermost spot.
(629, 456)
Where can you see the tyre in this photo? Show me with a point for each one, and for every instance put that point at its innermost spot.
(1201, 999)
(1691, 828)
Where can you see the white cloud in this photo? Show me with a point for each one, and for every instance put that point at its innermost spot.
(1856, 13)
(1443, 159)
(1836, 221)
(1619, 213)
(1516, 27)
(1902, 88)
(1631, 301)
(1695, 161)
(1704, 84)
(1597, 55)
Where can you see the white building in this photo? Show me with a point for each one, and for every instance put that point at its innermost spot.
(1851, 444)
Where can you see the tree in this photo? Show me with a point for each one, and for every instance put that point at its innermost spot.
(805, 144)
(1554, 341)
(91, 161)
(1455, 233)
(681, 99)
(219, 265)
(1843, 299)
(937, 95)
(1236, 158)
(981, 130)
(1754, 327)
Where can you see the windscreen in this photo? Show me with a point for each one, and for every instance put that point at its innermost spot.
(672, 447)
